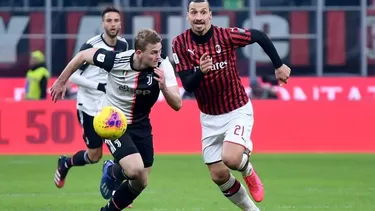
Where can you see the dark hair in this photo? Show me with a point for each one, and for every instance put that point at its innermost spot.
(198, 1)
(145, 37)
(109, 9)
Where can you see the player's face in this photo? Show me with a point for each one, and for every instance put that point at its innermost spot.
(199, 16)
(150, 57)
(111, 24)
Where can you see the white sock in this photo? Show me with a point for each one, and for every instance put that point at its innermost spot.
(245, 167)
(237, 194)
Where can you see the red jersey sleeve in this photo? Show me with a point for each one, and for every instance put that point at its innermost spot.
(180, 56)
(239, 37)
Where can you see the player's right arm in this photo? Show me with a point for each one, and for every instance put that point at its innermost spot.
(102, 58)
(80, 80)
(190, 78)
(99, 57)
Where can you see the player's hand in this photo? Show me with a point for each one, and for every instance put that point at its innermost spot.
(205, 63)
(282, 74)
(160, 77)
(58, 90)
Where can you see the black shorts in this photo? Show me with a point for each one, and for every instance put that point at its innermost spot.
(91, 138)
(137, 139)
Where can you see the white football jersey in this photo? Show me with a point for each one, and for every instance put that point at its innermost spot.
(133, 91)
(86, 97)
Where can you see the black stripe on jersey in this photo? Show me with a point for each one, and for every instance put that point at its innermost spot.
(225, 36)
(223, 75)
(116, 62)
(123, 59)
(211, 85)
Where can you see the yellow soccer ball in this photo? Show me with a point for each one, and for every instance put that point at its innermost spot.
(110, 123)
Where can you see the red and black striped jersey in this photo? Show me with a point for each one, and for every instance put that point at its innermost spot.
(220, 90)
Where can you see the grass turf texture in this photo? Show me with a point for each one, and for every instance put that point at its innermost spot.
(292, 182)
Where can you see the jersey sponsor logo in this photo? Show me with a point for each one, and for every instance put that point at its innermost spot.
(100, 57)
(134, 91)
(219, 65)
(215, 66)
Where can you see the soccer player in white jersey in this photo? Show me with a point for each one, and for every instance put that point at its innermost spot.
(91, 81)
(134, 82)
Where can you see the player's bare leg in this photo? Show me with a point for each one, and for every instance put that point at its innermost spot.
(81, 158)
(131, 169)
(236, 157)
(231, 188)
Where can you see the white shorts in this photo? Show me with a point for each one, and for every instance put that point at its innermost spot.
(234, 127)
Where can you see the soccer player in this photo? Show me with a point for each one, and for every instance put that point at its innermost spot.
(134, 82)
(205, 58)
(91, 82)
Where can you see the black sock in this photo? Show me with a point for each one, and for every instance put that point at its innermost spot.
(117, 173)
(81, 158)
(123, 196)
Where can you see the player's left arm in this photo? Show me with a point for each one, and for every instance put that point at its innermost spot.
(98, 57)
(171, 91)
(242, 37)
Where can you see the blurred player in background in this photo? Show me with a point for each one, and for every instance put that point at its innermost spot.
(205, 60)
(91, 81)
(135, 80)
(37, 77)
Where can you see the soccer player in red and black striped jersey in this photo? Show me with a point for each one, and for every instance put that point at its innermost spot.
(205, 60)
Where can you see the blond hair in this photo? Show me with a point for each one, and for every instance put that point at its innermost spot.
(145, 37)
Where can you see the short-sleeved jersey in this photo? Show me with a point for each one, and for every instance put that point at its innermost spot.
(86, 96)
(221, 89)
(132, 91)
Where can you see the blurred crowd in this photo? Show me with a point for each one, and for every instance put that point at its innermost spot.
(174, 3)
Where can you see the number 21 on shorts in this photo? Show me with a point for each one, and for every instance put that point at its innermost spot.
(239, 130)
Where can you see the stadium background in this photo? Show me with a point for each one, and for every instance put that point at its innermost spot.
(327, 106)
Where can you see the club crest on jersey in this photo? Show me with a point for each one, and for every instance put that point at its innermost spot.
(218, 49)
(149, 79)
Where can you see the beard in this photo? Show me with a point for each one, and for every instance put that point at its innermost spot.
(111, 34)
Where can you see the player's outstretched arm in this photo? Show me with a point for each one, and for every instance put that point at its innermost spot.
(76, 62)
(243, 37)
(99, 57)
(82, 81)
(269, 48)
(168, 84)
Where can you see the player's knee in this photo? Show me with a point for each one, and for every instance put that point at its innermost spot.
(232, 161)
(134, 172)
(140, 184)
(95, 155)
(232, 155)
(220, 175)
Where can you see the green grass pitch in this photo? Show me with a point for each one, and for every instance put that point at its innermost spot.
(298, 182)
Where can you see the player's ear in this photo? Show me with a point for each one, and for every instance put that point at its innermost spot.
(210, 15)
(138, 52)
(187, 16)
